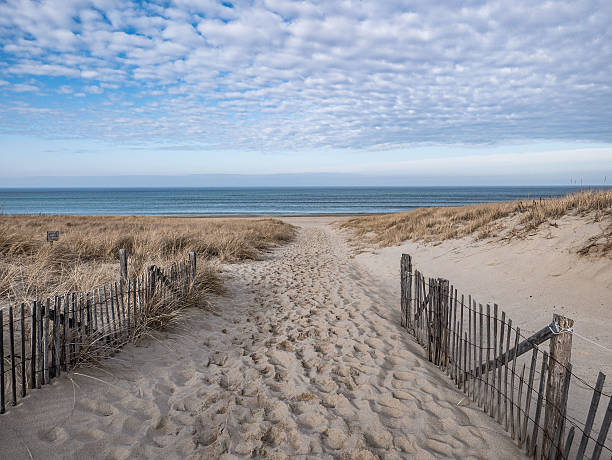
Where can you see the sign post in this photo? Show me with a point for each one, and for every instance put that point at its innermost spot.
(52, 236)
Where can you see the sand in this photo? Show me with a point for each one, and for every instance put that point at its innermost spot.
(304, 358)
(530, 279)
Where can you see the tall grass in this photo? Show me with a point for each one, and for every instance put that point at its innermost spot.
(86, 254)
(509, 219)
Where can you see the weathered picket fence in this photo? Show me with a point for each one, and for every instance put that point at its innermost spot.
(41, 340)
(481, 352)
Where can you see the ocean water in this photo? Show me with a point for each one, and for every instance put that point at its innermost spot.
(256, 200)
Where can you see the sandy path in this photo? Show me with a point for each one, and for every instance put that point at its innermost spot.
(305, 359)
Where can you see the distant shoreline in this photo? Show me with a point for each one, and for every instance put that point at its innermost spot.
(255, 202)
(207, 216)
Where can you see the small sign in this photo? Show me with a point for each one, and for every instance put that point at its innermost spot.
(53, 236)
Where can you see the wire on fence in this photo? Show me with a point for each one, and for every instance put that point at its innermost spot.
(430, 312)
(54, 335)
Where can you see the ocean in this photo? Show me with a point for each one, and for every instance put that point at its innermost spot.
(255, 200)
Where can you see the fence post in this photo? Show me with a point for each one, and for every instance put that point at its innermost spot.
(192, 261)
(123, 263)
(151, 282)
(406, 289)
(560, 354)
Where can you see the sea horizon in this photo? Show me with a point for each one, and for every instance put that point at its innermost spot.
(260, 200)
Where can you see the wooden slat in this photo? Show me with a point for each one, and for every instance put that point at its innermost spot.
(72, 325)
(588, 426)
(137, 301)
(103, 325)
(448, 329)
(89, 329)
(82, 318)
(451, 335)
(39, 355)
(134, 300)
(493, 379)
(422, 318)
(109, 326)
(518, 407)
(23, 352)
(46, 342)
(470, 346)
(428, 321)
(517, 333)
(506, 355)
(480, 355)
(568, 443)
(423, 308)
(129, 319)
(534, 357)
(536, 419)
(123, 316)
(475, 351)
(455, 341)
(33, 352)
(67, 334)
(56, 335)
(488, 335)
(78, 323)
(118, 306)
(12, 347)
(502, 329)
(94, 308)
(464, 362)
(147, 292)
(603, 431)
(115, 327)
(462, 349)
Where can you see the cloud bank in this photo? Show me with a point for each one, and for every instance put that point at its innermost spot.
(289, 75)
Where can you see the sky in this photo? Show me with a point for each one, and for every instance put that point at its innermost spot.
(454, 92)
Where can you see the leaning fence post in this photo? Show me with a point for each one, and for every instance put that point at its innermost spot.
(560, 354)
(193, 261)
(406, 285)
(123, 261)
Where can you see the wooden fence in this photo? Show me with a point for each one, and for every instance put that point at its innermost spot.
(41, 340)
(480, 351)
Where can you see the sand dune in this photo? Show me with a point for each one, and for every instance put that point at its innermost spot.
(530, 278)
(303, 359)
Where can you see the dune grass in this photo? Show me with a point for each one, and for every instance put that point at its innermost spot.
(505, 219)
(86, 255)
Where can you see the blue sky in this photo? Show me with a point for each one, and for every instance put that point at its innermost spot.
(498, 89)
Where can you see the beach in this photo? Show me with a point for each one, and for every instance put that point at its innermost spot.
(303, 358)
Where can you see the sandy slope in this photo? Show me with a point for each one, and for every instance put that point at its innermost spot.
(305, 359)
(530, 279)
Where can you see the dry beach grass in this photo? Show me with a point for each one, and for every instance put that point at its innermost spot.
(508, 219)
(86, 254)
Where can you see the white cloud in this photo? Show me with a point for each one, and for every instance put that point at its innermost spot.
(24, 88)
(278, 74)
(93, 89)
